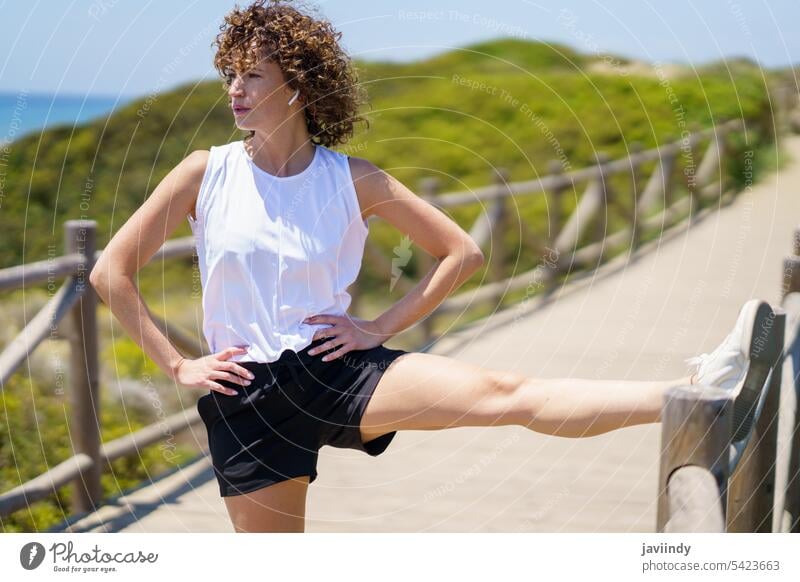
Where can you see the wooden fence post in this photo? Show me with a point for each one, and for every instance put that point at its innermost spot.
(791, 268)
(659, 184)
(696, 425)
(791, 500)
(722, 151)
(751, 490)
(80, 236)
(497, 267)
(636, 177)
(555, 218)
(690, 177)
(668, 168)
(796, 242)
(791, 284)
(602, 189)
(711, 165)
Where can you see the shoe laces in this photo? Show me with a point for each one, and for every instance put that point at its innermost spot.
(727, 348)
(702, 361)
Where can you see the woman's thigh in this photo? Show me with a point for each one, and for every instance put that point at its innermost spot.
(420, 391)
(276, 508)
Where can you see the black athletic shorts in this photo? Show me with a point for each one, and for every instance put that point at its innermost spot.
(273, 429)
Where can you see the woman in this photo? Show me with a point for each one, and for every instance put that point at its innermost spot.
(280, 221)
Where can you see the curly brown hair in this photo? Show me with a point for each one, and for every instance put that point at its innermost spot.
(308, 53)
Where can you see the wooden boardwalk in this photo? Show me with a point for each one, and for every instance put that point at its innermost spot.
(634, 318)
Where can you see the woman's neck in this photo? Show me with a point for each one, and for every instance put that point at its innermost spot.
(280, 157)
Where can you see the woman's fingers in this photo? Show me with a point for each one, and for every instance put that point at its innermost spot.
(230, 371)
(338, 342)
(236, 369)
(221, 389)
(232, 378)
(228, 352)
(338, 353)
(221, 375)
(328, 345)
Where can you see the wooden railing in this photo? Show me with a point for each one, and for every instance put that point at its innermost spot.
(719, 452)
(590, 218)
(71, 312)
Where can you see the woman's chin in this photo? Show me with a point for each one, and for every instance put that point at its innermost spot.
(241, 123)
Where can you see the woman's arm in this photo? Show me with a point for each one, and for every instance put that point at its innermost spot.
(457, 256)
(134, 245)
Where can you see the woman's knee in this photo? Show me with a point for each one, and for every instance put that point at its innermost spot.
(500, 383)
(508, 394)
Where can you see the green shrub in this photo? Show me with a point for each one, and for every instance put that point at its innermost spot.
(35, 436)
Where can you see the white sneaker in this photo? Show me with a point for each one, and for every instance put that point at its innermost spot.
(742, 362)
(727, 365)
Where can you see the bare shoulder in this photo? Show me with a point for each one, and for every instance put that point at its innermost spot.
(360, 167)
(372, 184)
(196, 160)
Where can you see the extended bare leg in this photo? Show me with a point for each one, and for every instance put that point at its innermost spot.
(422, 391)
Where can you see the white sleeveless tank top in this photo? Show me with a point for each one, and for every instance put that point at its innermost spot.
(274, 250)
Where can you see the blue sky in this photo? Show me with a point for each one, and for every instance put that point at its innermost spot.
(127, 47)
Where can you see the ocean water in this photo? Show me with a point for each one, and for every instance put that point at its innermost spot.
(23, 113)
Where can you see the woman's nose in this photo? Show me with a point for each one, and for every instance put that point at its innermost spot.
(235, 87)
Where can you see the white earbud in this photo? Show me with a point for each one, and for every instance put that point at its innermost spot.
(294, 97)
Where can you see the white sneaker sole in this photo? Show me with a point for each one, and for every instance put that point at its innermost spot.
(761, 345)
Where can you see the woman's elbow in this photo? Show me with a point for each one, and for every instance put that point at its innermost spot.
(102, 277)
(473, 256)
(98, 279)
(468, 255)
(478, 258)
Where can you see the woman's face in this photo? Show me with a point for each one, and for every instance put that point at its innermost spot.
(259, 97)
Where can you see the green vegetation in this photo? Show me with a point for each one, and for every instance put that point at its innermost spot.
(34, 437)
(507, 103)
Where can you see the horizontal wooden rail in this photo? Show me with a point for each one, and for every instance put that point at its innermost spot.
(694, 501)
(48, 483)
(41, 271)
(38, 329)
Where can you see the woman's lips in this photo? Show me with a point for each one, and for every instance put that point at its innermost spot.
(240, 110)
